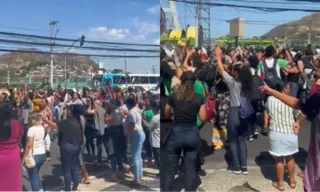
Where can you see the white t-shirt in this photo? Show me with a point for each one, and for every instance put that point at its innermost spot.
(134, 116)
(37, 133)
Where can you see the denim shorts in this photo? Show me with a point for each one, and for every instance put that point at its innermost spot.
(282, 144)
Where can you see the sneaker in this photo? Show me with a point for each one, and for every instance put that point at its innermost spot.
(256, 134)
(244, 171)
(236, 171)
(250, 138)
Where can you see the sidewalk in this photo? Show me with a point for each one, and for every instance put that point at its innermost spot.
(257, 180)
(150, 182)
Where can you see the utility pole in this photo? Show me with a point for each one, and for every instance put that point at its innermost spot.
(52, 24)
(197, 19)
(125, 67)
(310, 31)
(8, 75)
(154, 69)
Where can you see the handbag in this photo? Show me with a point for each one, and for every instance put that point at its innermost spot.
(246, 109)
(29, 161)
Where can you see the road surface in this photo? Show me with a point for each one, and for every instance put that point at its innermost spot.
(257, 156)
(257, 150)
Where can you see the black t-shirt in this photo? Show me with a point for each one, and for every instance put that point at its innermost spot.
(186, 112)
(70, 131)
(165, 71)
(306, 61)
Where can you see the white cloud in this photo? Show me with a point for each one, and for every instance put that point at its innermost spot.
(106, 33)
(136, 30)
(144, 27)
(156, 41)
(154, 9)
(139, 37)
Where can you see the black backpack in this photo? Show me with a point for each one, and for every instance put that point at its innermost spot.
(256, 94)
(271, 77)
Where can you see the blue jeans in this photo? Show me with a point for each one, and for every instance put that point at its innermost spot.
(69, 154)
(33, 172)
(137, 140)
(186, 139)
(147, 145)
(294, 88)
(236, 130)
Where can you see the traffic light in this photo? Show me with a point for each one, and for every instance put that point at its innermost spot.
(82, 40)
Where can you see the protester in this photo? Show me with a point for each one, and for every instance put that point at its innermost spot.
(36, 149)
(239, 84)
(136, 136)
(184, 136)
(283, 140)
(154, 131)
(10, 136)
(70, 142)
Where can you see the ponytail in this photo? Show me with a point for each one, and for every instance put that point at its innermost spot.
(186, 91)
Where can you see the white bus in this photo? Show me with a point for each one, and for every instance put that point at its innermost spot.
(146, 81)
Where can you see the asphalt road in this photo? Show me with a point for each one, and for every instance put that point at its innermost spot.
(258, 154)
(52, 178)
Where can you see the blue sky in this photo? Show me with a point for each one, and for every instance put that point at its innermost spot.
(100, 20)
(266, 20)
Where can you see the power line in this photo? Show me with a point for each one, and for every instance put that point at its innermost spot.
(270, 9)
(72, 40)
(81, 47)
(79, 54)
(145, 2)
(272, 2)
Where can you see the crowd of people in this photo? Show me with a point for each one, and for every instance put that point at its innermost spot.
(230, 88)
(83, 122)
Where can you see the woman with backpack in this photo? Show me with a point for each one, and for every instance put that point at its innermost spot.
(239, 84)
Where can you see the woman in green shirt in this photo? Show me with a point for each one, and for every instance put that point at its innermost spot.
(147, 115)
(200, 87)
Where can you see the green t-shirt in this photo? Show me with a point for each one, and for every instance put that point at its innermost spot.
(281, 63)
(200, 89)
(147, 116)
(167, 85)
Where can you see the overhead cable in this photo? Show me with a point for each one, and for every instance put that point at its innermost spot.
(72, 40)
(81, 47)
(78, 54)
(270, 9)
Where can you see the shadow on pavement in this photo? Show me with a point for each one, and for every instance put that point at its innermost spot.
(54, 179)
(179, 183)
(266, 161)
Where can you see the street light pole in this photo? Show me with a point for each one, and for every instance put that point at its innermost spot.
(52, 24)
(125, 68)
(81, 39)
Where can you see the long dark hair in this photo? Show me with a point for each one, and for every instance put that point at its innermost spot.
(77, 111)
(244, 76)
(186, 89)
(6, 115)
